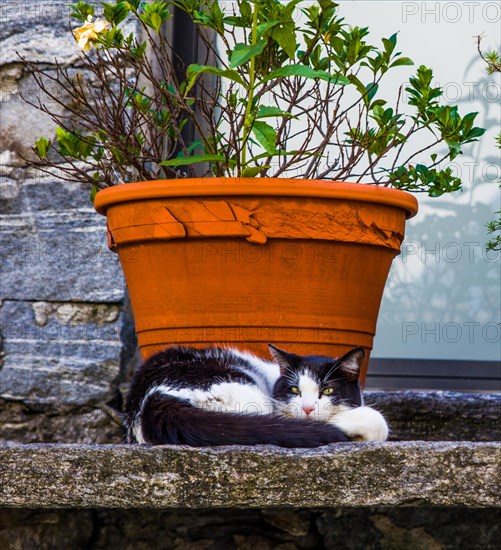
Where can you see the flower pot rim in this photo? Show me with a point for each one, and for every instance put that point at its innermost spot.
(224, 187)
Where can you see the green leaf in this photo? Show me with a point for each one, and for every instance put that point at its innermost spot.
(194, 70)
(261, 29)
(134, 4)
(327, 5)
(378, 103)
(243, 52)
(155, 14)
(390, 43)
(41, 147)
(402, 61)
(284, 35)
(81, 10)
(475, 133)
(245, 9)
(156, 21)
(252, 171)
(139, 50)
(269, 111)
(357, 83)
(93, 193)
(372, 89)
(468, 121)
(237, 22)
(454, 149)
(216, 18)
(265, 135)
(111, 38)
(195, 159)
(306, 72)
(74, 145)
(116, 13)
(197, 144)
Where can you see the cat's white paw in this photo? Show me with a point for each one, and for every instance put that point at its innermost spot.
(234, 397)
(362, 424)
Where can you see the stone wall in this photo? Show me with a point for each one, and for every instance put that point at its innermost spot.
(340, 529)
(62, 318)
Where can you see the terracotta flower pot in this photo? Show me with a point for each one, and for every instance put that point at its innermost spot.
(244, 262)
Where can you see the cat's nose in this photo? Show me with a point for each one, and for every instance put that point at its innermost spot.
(308, 409)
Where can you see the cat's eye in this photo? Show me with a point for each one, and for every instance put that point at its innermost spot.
(327, 391)
(295, 390)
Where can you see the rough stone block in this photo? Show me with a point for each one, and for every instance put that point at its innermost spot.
(43, 530)
(53, 247)
(22, 423)
(363, 474)
(439, 415)
(240, 529)
(410, 529)
(39, 29)
(60, 361)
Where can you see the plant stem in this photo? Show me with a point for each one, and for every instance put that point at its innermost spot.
(252, 76)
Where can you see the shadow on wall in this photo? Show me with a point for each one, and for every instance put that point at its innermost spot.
(445, 274)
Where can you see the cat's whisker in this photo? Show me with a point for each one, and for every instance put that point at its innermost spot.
(331, 371)
(325, 380)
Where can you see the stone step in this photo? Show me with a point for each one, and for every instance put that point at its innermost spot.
(412, 473)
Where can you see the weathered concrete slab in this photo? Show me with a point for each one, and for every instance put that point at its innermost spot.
(348, 475)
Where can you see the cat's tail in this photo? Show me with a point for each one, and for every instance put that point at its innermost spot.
(169, 420)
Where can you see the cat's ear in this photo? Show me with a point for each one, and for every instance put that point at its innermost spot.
(351, 363)
(281, 357)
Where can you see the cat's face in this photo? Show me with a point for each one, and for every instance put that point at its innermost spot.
(316, 387)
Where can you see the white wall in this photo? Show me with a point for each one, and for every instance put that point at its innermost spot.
(443, 295)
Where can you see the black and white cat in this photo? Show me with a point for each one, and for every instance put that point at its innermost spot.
(217, 396)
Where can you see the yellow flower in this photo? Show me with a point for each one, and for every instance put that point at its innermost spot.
(84, 35)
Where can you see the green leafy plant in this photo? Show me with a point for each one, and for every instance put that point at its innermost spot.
(493, 65)
(285, 89)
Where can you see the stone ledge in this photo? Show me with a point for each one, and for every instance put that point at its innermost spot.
(439, 415)
(344, 475)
